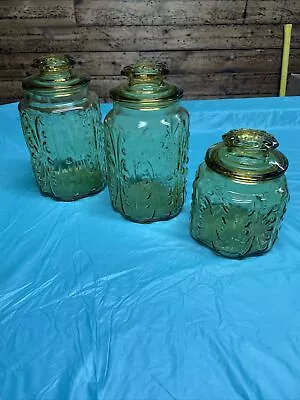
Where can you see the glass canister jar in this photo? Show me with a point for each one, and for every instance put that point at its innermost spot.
(240, 194)
(62, 126)
(146, 142)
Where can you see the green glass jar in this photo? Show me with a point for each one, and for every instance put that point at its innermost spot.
(146, 143)
(240, 194)
(61, 122)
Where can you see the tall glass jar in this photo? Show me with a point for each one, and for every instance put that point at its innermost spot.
(240, 194)
(146, 142)
(61, 122)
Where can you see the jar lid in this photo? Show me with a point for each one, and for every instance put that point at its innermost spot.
(247, 155)
(146, 86)
(55, 74)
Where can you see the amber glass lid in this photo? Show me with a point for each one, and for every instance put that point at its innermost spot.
(146, 86)
(247, 155)
(55, 73)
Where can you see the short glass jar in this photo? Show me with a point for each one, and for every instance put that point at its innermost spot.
(146, 142)
(240, 194)
(62, 126)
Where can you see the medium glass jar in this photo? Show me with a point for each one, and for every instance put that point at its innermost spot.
(61, 122)
(240, 194)
(146, 142)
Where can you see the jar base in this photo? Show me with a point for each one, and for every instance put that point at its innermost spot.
(69, 199)
(147, 220)
(231, 255)
(147, 200)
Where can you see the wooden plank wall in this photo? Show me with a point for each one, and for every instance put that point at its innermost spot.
(214, 48)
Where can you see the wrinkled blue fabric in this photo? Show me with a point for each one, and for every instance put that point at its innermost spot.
(95, 307)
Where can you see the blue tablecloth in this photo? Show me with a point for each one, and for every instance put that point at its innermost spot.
(95, 307)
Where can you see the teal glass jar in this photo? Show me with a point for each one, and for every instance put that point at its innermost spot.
(62, 126)
(240, 194)
(146, 143)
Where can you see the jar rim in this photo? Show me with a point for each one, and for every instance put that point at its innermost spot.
(55, 75)
(251, 162)
(146, 86)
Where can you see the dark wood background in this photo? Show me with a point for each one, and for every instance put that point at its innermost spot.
(214, 48)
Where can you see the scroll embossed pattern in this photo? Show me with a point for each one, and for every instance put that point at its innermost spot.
(66, 153)
(40, 155)
(225, 217)
(147, 167)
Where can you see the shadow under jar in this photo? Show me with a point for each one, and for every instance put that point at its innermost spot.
(61, 122)
(240, 194)
(146, 143)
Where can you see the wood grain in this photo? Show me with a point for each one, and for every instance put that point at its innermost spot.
(195, 86)
(179, 62)
(158, 12)
(213, 48)
(89, 39)
(15, 13)
(6, 100)
(186, 12)
(206, 84)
